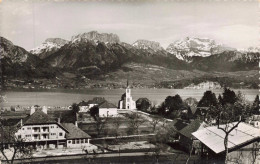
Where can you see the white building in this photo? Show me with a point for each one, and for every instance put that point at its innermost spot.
(127, 101)
(40, 130)
(107, 109)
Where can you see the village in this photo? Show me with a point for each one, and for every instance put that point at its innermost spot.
(97, 130)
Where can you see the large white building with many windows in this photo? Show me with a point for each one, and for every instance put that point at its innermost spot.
(40, 130)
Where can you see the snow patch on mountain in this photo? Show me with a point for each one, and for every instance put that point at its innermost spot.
(186, 48)
(49, 45)
(146, 44)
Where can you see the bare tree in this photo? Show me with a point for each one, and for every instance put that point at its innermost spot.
(100, 124)
(9, 142)
(155, 121)
(227, 121)
(116, 122)
(135, 121)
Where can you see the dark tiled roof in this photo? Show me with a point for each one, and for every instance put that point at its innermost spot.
(83, 103)
(179, 125)
(107, 105)
(38, 117)
(192, 127)
(96, 100)
(74, 132)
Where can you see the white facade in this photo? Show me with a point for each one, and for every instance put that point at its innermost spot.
(129, 102)
(47, 132)
(107, 112)
(77, 143)
(83, 109)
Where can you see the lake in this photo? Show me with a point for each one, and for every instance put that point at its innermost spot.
(67, 97)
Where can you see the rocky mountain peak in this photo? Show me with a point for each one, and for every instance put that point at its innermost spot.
(188, 47)
(50, 45)
(57, 41)
(95, 36)
(14, 53)
(145, 44)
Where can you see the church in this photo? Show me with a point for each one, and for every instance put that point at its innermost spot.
(127, 101)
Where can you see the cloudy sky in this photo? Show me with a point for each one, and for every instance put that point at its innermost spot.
(29, 23)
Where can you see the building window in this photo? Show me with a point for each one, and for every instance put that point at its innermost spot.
(60, 134)
(22, 128)
(69, 141)
(52, 127)
(73, 141)
(27, 135)
(77, 141)
(128, 99)
(19, 136)
(57, 127)
(127, 90)
(82, 141)
(29, 128)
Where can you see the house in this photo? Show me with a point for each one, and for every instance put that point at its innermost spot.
(187, 140)
(41, 130)
(127, 101)
(85, 106)
(243, 143)
(107, 109)
(254, 121)
(95, 101)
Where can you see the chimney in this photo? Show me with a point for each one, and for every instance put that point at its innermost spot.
(76, 123)
(58, 120)
(32, 110)
(44, 109)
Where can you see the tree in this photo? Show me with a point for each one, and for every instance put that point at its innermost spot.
(10, 142)
(172, 106)
(230, 115)
(143, 104)
(134, 122)
(208, 99)
(75, 108)
(116, 122)
(155, 120)
(100, 124)
(229, 97)
(94, 111)
(255, 107)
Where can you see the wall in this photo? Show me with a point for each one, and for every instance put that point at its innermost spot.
(77, 143)
(27, 132)
(107, 112)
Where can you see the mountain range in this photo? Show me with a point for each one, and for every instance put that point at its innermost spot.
(94, 54)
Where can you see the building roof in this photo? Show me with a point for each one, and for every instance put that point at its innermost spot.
(96, 100)
(192, 127)
(83, 103)
(179, 124)
(74, 132)
(107, 105)
(213, 137)
(38, 117)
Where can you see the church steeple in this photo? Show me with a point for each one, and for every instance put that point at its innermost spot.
(127, 83)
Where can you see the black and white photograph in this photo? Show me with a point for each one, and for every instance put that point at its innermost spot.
(129, 81)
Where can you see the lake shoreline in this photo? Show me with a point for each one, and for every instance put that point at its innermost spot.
(67, 97)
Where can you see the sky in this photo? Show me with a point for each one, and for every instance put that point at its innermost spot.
(233, 23)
